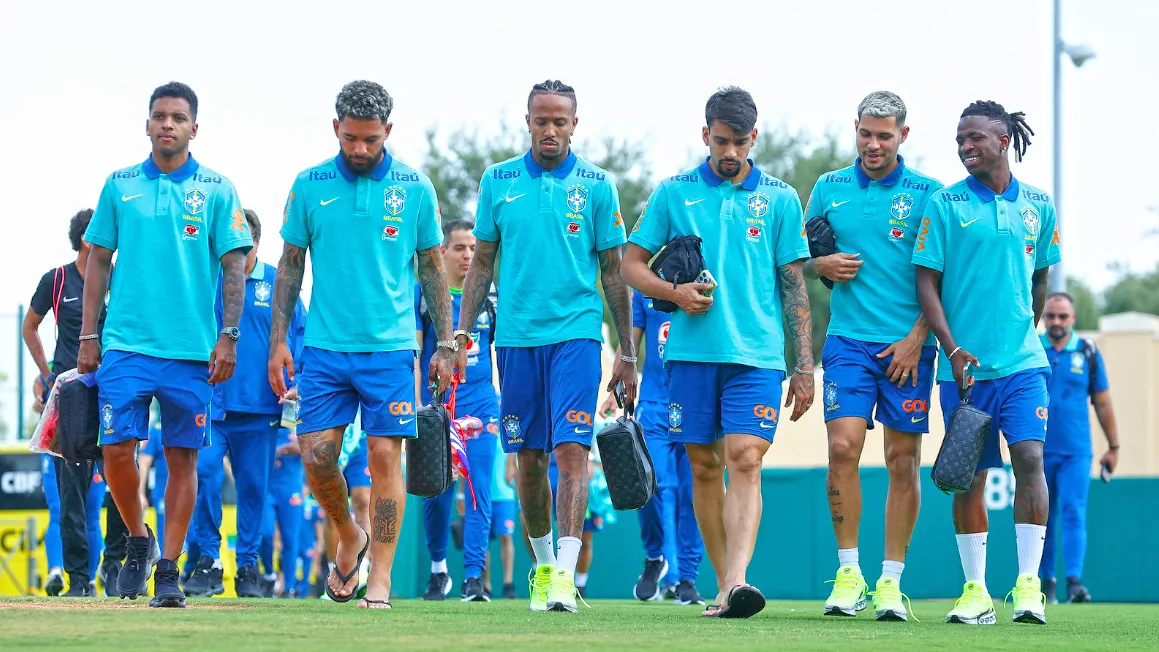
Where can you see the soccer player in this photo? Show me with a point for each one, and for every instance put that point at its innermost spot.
(1077, 373)
(983, 252)
(171, 220)
(725, 352)
(878, 349)
(364, 216)
(477, 398)
(246, 418)
(557, 219)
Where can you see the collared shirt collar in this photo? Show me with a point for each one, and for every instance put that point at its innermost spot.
(259, 272)
(1072, 342)
(559, 172)
(713, 179)
(986, 194)
(378, 173)
(889, 180)
(187, 169)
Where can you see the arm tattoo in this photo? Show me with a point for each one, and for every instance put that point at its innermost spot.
(232, 287)
(796, 299)
(385, 520)
(1038, 292)
(320, 459)
(619, 301)
(433, 280)
(477, 284)
(286, 289)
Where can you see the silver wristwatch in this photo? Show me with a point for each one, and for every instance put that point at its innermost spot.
(453, 345)
(463, 333)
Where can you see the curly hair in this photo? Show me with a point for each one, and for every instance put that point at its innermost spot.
(364, 100)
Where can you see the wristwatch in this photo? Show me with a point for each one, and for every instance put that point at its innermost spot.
(453, 345)
(463, 333)
(231, 332)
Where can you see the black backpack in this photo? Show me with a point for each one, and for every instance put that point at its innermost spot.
(1087, 348)
(489, 305)
(680, 261)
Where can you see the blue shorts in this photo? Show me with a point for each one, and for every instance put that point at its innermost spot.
(709, 400)
(1017, 405)
(357, 471)
(549, 394)
(653, 419)
(129, 381)
(855, 381)
(333, 384)
(502, 518)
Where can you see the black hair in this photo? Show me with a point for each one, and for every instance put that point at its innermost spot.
(449, 228)
(178, 90)
(552, 87)
(732, 106)
(364, 100)
(254, 222)
(77, 226)
(1060, 295)
(1015, 123)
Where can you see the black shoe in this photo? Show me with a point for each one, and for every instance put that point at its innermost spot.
(54, 585)
(1048, 587)
(686, 593)
(509, 591)
(668, 592)
(438, 587)
(248, 583)
(110, 571)
(473, 591)
(205, 580)
(78, 586)
(143, 554)
(1076, 592)
(648, 586)
(166, 593)
(269, 582)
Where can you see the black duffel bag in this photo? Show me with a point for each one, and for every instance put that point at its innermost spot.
(961, 449)
(679, 262)
(627, 464)
(428, 456)
(79, 429)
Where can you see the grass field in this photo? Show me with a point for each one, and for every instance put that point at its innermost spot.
(74, 624)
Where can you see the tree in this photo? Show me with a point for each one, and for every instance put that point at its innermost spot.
(1086, 308)
(1132, 292)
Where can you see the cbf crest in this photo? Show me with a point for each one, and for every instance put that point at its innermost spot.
(1030, 219)
(1076, 362)
(675, 416)
(195, 201)
(901, 206)
(758, 204)
(511, 429)
(262, 291)
(577, 198)
(831, 396)
(394, 200)
(107, 416)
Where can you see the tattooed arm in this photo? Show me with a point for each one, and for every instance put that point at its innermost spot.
(795, 296)
(286, 288)
(475, 288)
(620, 303)
(1038, 292)
(433, 281)
(224, 357)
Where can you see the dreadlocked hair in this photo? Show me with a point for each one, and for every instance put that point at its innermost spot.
(552, 87)
(1015, 123)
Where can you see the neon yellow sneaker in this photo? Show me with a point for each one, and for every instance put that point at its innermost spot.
(1029, 601)
(887, 600)
(562, 593)
(849, 591)
(539, 582)
(975, 607)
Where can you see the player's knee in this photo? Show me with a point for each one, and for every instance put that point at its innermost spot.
(843, 450)
(1026, 458)
(571, 458)
(533, 463)
(745, 459)
(706, 464)
(902, 462)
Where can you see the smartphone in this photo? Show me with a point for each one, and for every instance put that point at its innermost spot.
(706, 277)
(1105, 473)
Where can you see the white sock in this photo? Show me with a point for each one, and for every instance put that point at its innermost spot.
(439, 566)
(1030, 541)
(892, 570)
(544, 550)
(581, 579)
(849, 557)
(569, 549)
(972, 550)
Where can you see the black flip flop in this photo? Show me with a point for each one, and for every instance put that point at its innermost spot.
(744, 601)
(369, 602)
(711, 607)
(346, 577)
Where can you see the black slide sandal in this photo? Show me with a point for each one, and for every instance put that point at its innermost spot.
(743, 602)
(346, 577)
(369, 602)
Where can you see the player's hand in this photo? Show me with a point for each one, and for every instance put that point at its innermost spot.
(838, 267)
(461, 358)
(222, 361)
(144, 502)
(800, 395)
(512, 468)
(281, 359)
(290, 395)
(958, 364)
(608, 407)
(626, 372)
(1111, 459)
(441, 369)
(689, 298)
(88, 357)
(904, 366)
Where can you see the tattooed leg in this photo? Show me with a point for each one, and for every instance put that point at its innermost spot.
(388, 501)
(843, 482)
(571, 505)
(1031, 495)
(534, 490)
(320, 459)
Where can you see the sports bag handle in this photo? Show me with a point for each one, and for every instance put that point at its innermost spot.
(450, 404)
(622, 399)
(966, 386)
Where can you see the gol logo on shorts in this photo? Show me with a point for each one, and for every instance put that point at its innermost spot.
(401, 407)
(765, 412)
(915, 405)
(1040, 412)
(576, 416)
(199, 420)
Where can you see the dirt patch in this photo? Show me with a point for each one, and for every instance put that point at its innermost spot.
(81, 603)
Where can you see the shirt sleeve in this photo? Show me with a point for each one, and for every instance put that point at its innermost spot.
(639, 319)
(923, 208)
(42, 299)
(1100, 373)
(295, 220)
(792, 245)
(228, 227)
(651, 230)
(430, 231)
(1047, 250)
(102, 229)
(485, 226)
(609, 223)
(930, 245)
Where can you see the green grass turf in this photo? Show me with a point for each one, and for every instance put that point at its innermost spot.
(44, 624)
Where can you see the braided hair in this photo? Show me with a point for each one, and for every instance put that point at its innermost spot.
(552, 87)
(1015, 123)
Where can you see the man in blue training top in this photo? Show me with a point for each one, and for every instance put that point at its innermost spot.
(475, 397)
(557, 219)
(725, 352)
(878, 350)
(364, 216)
(178, 227)
(246, 418)
(1077, 375)
(983, 252)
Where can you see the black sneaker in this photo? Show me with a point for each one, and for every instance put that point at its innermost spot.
(668, 592)
(78, 586)
(648, 586)
(108, 573)
(54, 585)
(1076, 592)
(473, 591)
(269, 583)
(248, 584)
(166, 593)
(509, 591)
(582, 591)
(1048, 591)
(438, 587)
(205, 580)
(143, 554)
(686, 593)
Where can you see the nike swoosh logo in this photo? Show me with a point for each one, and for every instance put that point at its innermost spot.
(403, 422)
(324, 202)
(493, 420)
(67, 299)
(578, 431)
(275, 422)
(917, 419)
(767, 426)
(692, 203)
(128, 197)
(965, 224)
(836, 204)
(510, 199)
